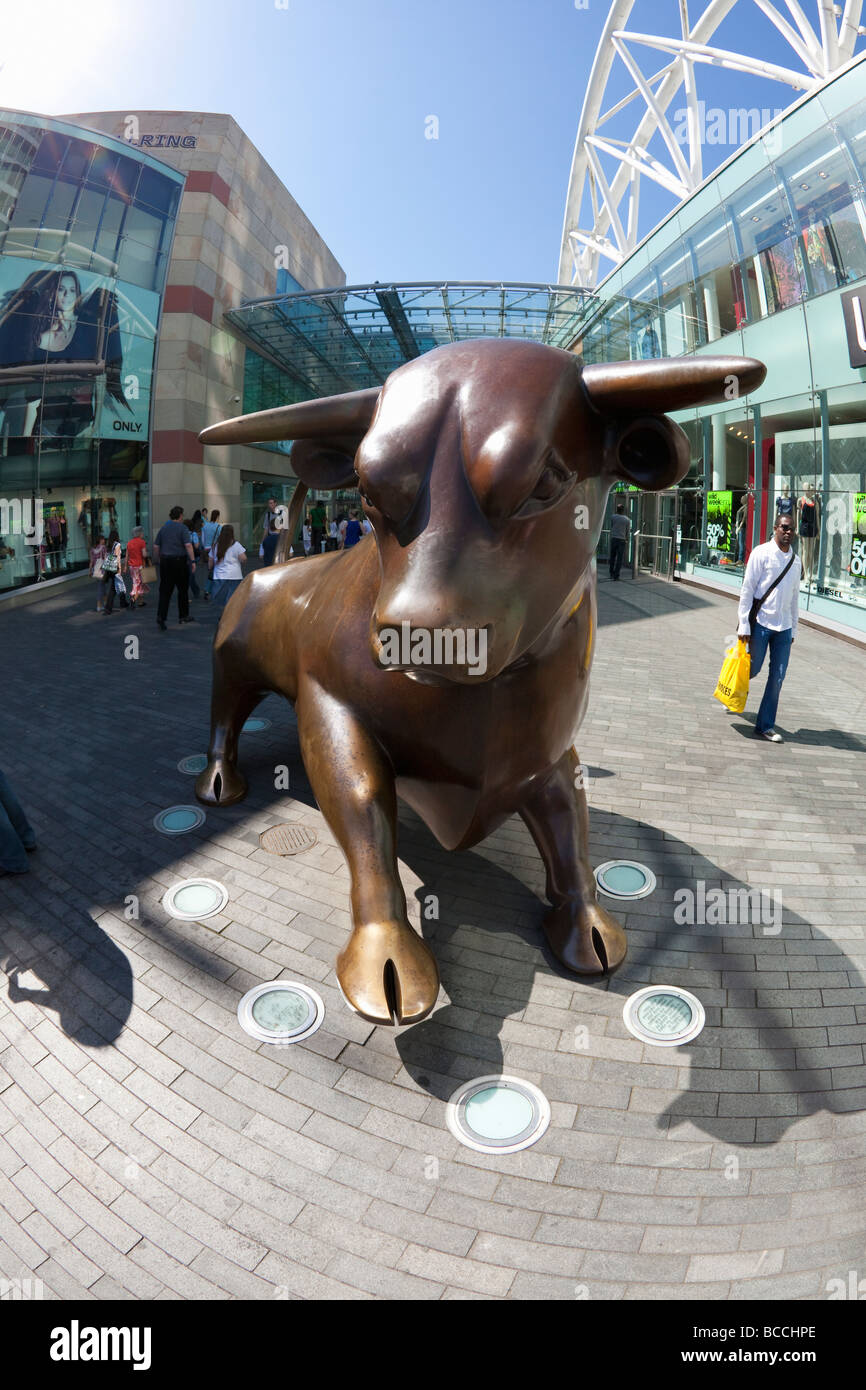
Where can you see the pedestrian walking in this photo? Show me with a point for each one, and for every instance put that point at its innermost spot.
(270, 532)
(172, 551)
(210, 529)
(98, 553)
(619, 529)
(307, 535)
(771, 589)
(229, 557)
(17, 836)
(318, 521)
(353, 532)
(136, 559)
(112, 569)
(194, 528)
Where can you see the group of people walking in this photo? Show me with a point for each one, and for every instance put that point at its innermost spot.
(180, 546)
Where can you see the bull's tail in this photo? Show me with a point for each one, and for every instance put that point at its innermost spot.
(285, 542)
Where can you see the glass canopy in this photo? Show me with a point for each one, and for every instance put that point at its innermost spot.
(345, 339)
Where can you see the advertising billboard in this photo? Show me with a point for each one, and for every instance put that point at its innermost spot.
(76, 353)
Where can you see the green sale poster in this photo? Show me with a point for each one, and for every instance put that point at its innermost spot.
(719, 527)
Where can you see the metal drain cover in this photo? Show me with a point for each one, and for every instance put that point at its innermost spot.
(287, 838)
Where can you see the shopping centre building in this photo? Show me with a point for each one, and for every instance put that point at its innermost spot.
(124, 240)
(766, 259)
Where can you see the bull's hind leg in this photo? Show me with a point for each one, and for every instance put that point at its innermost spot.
(232, 703)
(581, 934)
(386, 971)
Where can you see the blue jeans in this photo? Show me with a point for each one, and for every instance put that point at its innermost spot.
(779, 644)
(617, 553)
(223, 590)
(16, 833)
(270, 545)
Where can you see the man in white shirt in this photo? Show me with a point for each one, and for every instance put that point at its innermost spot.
(775, 625)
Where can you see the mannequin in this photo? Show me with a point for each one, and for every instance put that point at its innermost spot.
(809, 518)
(740, 529)
(785, 504)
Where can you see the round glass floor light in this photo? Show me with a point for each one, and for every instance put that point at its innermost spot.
(624, 879)
(195, 899)
(281, 1012)
(664, 1015)
(177, 820)
(193, 765)
(498, 1114)
(256, 725)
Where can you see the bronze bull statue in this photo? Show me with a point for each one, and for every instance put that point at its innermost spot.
(446, 658)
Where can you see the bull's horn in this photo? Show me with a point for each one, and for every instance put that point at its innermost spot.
(660, 384)
(330, 415)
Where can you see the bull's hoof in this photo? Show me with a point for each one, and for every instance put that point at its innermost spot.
(584, 938)
(388, 974)
(220, 784)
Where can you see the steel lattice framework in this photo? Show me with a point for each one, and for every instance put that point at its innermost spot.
(611, 170)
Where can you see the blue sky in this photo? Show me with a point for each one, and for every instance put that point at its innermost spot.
(336, 94)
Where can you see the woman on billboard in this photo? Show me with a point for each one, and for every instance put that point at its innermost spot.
(49, 321)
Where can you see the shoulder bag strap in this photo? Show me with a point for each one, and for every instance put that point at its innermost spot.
(777, 580)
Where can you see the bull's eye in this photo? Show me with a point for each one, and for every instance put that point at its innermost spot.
(551, 483)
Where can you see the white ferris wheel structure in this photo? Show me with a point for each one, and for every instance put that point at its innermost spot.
(603, 202)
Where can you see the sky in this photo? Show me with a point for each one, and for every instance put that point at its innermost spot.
(339, 95)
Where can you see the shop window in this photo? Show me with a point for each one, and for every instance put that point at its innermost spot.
(720, 293)
(32, 201)
(157, 191)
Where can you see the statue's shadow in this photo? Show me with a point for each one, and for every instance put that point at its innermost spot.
(781, 1038)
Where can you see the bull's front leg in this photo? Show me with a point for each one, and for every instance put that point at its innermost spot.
(582, 935)
(387, 972)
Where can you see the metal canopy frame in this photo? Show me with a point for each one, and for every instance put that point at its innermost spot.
(353, 336)
(613, 182)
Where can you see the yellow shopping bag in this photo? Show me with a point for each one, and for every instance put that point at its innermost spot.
(733, 684)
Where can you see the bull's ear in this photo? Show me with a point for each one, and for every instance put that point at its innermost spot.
(329, 417)
(650, 451)
(326, 463)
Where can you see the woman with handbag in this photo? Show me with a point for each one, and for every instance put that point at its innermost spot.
(97, 557)
(111, 568)
(136, 559)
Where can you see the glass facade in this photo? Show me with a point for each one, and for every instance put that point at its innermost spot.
(757, 263)
(86, 225)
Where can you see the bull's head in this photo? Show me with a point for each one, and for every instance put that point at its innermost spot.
(484, 467)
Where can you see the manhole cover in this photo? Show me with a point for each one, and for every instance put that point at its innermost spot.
(287, 839)
(281, 1012)
(498, 1114)
(624, 878)
(664, 1015)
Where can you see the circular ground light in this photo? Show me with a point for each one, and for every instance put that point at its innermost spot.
(281, 1012)
(256, 726)
(287, 838)
(195, 899)
(624, 878)
(177, 820)
(498, 1114)
(193, 765)
(664, 1015)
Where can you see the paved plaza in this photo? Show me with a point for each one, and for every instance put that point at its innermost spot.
(150, 1149)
